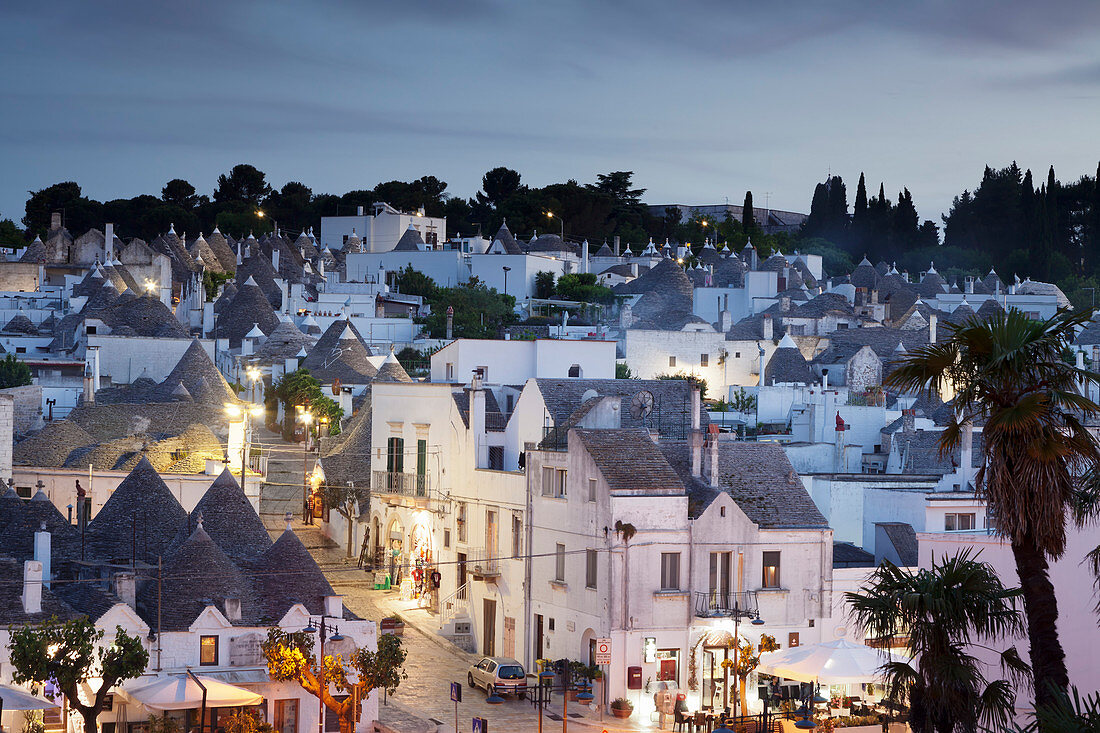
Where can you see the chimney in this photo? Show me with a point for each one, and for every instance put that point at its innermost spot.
(760, 362)
(767, 329)
(616, 245)
(359, 211)
(966, 451)
(785, 303)
(1082, 385)
(841, 458)
(824, 380)
(233, 609)
(696, 433)
(932, 319)
(32, 587)
(908, 420)
(321, 266)
(55, 220)
(42, 551)
(725, 320)
(969, 284)
(95, 368)
(108, 241)
(634, 269)
(584, 256)
(334, 606)
(126, 588)
(477, 420)
(275, 258)
(874, 296)
(450, 322)
(712, 445)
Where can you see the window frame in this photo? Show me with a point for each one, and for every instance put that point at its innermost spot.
(771, 580)
(670, 571)
(593, 489)
(704, 360)
(202, 648)
(559, 562)
(591, 569)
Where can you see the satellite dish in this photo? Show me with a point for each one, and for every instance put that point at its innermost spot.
(641, 404)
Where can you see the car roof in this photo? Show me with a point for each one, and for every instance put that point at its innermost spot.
(504, 660)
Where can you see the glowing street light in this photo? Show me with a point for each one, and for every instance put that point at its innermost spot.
(551, 215)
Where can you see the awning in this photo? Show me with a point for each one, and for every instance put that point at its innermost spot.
(832, 662)
(181, 692)
(16, 698)
(240, 676)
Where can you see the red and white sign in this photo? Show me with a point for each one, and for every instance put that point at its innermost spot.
(603, 651)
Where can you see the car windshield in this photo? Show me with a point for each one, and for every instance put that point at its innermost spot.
(510, 672)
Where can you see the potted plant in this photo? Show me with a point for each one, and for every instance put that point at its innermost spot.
(621, 707)
(393, 625)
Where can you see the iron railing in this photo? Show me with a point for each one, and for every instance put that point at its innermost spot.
(401, 483)
(482, 563)
(731, 604)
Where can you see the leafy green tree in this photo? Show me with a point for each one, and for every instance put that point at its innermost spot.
(14, 373)
(748, 216)
(742, 401)
(179, 192)
(290, 658)
(291, 206)
(245, 184)
(479, 312)
(498, 185)
(1008, 373)
(414, 282)
(346, 500)
(693, 378)
(11, 236)
(582, 287)
(622, 371)
(544, 285)
(942, 612)
(71, 655)
(79, 214)
(300, 388)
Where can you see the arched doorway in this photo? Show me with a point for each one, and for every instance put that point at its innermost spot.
(395, 545)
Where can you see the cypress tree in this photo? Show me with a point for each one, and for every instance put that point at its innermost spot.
(1094, 220)
(748, 216)
(858, 234)
(1028, 212)
(815, 221)
(859, 209)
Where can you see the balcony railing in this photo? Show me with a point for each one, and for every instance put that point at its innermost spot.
(399, 483)
(726, 605)
(482, 563)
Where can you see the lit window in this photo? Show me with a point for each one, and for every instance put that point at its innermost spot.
(771, 570)
(208, 650)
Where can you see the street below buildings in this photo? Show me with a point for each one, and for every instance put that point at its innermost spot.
(422, 703)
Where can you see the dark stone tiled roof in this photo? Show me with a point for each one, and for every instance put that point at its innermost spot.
(671, 414)
(51, 445)
(729, 273)
(346, 458)
(21, 324)
(847, 555)
(990, 307)
(87, 598)
(220, 246)
(904, 539)
(260, 269)
(248, 308)
(865, 276)
(287, 574)
(1088, 336)
(920, 451)
(229, 519)
(758, 477)
(146, 315)
(20, 519)
(197, 373)
(392, 371)
(340, 354)
(823, 305)
(883, 340)
(196, 574)
(630, 462)
(11, 598)
(493, 414)
(666, 277)
(787, 365)
(223, 301)
(142, 507)
(410, 241)
(504, 236)
(281, 344)
(604, 251)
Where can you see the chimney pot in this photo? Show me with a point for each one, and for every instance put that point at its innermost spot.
(55, 220)
(32, 587)
(126, 588)
(233, 609)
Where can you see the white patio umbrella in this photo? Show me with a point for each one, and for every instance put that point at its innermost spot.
(831, 662)
(16, 698)
(183, 692)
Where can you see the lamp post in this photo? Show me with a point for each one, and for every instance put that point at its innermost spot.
(321, 663)
(551, 215)
(254, 376)
(275, 225)
(246, 414)
(305, 417)
(506, 271)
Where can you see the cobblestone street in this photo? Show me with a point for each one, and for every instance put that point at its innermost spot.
(422, 703)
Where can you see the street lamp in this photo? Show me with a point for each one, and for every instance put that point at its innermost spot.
(254, 376)
(305, 417)
(311, 629)
(551, 215)
(506, 271)
(245, 414)
(260, 214)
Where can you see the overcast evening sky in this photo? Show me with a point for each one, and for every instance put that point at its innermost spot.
(703, 99)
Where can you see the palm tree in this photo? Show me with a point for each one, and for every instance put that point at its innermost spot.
(943, 612)
(1010, 372)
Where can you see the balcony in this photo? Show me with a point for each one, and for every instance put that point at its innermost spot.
(726, 605)
(399, 484)
(483, 564)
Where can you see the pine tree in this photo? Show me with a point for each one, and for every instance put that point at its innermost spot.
(1094, 220)
(748, 216)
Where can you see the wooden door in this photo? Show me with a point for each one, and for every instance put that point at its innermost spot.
(489, 624)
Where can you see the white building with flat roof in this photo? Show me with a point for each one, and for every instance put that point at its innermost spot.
(514, 362)
(382, 228)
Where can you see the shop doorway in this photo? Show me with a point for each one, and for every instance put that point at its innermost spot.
(538, 636)
(489, 623)
(715, 678)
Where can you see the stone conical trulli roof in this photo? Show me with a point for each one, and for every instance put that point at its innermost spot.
(392, 371)
(340, 354)
(410, 241)
(196, 371)
(142, 513)
(230, 520)
(248, 308)
(288, 574)
(787, 365)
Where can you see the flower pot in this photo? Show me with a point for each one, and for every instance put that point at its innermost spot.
(390, 626)
(622, 712)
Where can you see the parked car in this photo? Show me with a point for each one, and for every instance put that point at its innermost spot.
(502, 673)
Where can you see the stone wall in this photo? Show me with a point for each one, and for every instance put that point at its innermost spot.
(27, 409)
(7, 407)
